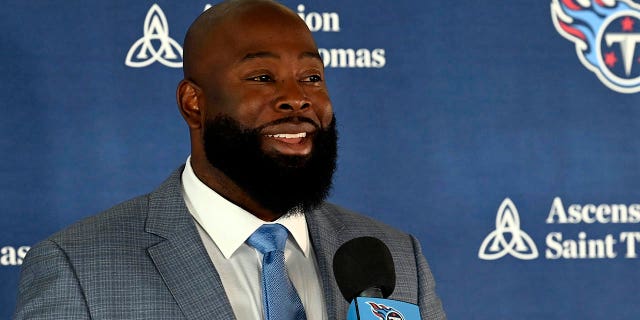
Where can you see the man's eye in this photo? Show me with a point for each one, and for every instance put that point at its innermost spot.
(313, 78)
(262, 78)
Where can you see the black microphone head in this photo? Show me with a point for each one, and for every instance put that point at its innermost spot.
(364, 263)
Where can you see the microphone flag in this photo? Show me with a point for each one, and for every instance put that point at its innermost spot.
(365, 308)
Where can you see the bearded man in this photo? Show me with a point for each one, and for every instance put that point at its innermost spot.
(263, 151)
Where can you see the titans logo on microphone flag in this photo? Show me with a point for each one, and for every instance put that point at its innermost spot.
(385, 313)
(605, 34)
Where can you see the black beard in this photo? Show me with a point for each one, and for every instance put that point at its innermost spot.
(279, 183)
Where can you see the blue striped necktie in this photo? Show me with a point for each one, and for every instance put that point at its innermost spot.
(280, 299)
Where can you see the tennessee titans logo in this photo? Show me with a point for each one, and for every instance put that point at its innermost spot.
(606, 34)
(385, 313)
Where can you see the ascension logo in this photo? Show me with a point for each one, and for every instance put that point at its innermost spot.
(385, 313)
(508, 238)
(605, 35)
(155, 44)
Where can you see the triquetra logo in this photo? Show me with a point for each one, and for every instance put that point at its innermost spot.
(155, 44)
(508, 238)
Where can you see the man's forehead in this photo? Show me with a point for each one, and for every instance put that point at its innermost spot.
(261, 35)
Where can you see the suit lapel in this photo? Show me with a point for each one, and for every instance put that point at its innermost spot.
(181, 258)
(327, 234)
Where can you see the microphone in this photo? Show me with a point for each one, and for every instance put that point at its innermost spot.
(365, 273)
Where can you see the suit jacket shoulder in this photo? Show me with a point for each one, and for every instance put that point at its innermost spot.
(120, 223)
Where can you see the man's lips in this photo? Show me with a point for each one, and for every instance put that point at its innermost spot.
(293, 138)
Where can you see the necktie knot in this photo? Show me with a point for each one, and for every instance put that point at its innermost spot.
(268, 238)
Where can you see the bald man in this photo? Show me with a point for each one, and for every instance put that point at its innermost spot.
(263, 152)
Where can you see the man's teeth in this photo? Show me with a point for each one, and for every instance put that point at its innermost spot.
(288, 135)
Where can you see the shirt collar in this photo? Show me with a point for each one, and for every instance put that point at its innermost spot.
(228, 225)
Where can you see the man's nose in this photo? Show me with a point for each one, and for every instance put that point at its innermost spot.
(292, 97)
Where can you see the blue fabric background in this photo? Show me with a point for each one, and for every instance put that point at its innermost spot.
(477, 101)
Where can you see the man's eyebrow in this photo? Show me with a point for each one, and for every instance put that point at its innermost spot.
(259, 54)
(311, 54)
(268, 54)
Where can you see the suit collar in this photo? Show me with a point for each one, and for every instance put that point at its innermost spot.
(168, 214)
(181, 258)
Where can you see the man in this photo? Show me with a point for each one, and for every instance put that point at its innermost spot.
(263, 146)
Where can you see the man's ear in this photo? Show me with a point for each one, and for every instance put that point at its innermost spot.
(188, 95)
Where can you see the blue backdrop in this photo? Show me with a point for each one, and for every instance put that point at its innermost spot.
(503, 135)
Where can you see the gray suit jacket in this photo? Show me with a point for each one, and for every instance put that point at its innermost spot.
(144, 259)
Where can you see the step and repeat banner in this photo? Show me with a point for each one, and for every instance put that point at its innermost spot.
(504, 135)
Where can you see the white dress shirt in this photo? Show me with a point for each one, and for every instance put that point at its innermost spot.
(224, 227)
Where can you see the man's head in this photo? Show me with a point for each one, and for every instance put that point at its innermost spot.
(254, 97)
